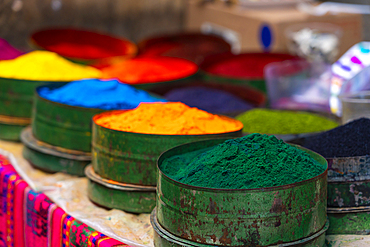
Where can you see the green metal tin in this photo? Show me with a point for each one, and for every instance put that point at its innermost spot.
(62, 125)
(129, 157)
(349, 181)
(11, 127)
(53, 159)
(10, 132)
(16, 96)
(241, 217)
(349, 220)
(163, 238)
(127, 197)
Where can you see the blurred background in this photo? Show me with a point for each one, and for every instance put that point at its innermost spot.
(134, 20)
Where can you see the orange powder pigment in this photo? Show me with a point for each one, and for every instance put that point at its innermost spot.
(168, 119)
(150, 70)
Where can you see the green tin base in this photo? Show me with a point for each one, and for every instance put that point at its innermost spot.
(354, 221)
(11, 132)
(163, 238)
(111, 194)
(52, 159)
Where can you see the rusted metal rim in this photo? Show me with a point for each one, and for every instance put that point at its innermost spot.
(90, 173)
(15, 120)
(161, 135)
(183, 242)
(31, 142)
(348, 210)
(204, 145)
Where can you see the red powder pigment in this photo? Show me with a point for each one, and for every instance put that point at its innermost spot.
(81, 44)
(7, 51)
(247, 65)
(190, 46)
(150, 70)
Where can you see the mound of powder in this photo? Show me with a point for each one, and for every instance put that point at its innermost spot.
(245, 65)
(267, 121)
(150, 70)
(95, 93)
(208, 99)
(168, 119)
(253, 161)
(7, 51)
(348, 140)
(45, 66)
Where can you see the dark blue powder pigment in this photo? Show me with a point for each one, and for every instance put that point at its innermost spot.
(209, 99)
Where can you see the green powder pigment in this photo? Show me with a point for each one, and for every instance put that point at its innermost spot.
(253, 161)
(280, 122)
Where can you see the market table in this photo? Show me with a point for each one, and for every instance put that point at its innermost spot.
(90, 224)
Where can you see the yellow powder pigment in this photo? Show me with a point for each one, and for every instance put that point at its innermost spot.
(168, 119)
(45, 66)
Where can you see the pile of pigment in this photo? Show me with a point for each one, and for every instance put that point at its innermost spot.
(108, 95)
(7, 51)
(191, 46)
(82, 44)
(282, 122)
(168, 119)
(348, 140)
(150, 70)
(209, 99)
(248, 65)
(253, 161)
(45, 66)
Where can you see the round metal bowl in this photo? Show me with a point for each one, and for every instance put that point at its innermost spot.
(241, 217)
(127, 197)
(129, 157)
(163, 238)
(51, 158)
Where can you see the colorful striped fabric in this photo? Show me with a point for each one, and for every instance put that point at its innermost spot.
(31, 219)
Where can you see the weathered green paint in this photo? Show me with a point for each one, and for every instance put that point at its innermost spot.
(16, 96)
(163, 238)
(349, 181)
(258, 84)
(11, 132)
(62, 125)
(131, 157)
(111, 194)
(349, 194)
(356, 223)
(245, 217)
(51, 159)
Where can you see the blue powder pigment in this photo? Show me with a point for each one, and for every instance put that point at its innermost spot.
(209, 99)
(101, 94)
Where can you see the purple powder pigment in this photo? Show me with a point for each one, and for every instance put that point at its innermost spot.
(7, 51)
(209, 99)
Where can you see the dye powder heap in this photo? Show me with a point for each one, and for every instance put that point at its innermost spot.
(208, 99)
(7, 51)
(108, 95)
(150, 70)
(82, 44)
(45, 66)
(168, 119)
(348, 140)
(253, 161)
(248, 65)
(281, 122)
